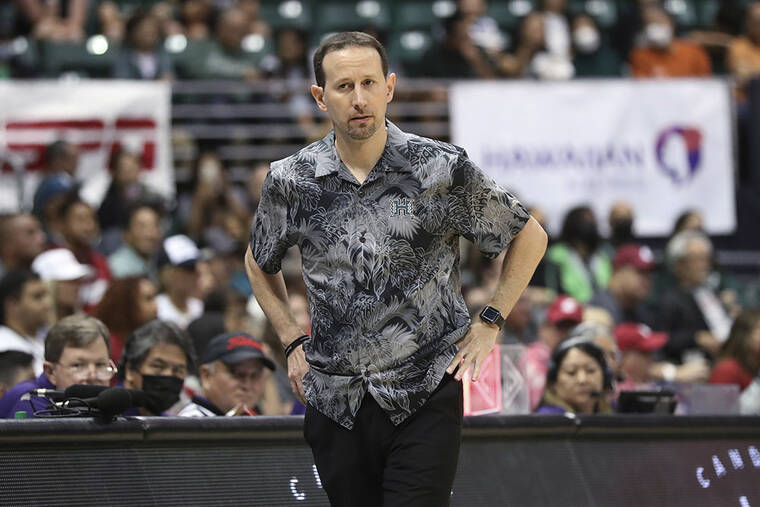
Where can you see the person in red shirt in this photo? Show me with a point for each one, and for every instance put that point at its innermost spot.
(739, 359)
(665, 56)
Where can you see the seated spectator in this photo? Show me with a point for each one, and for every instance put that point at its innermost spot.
(620, 221)
(629, 286)
(21, 240)
(127, 304)
(577, 380)
(663, 56)
(743, 59)
(561, 317)
(76, 352)
(739, 359)
(692, 313)
(25, 307)
(125, 191)
(520, 326)
(56, 21)
(157, 357)
(592, 57)
(457, 55)
(138, 254)
(233, 375)
(15, 367)
(79, 230)
(144, 56)
(530, 57)
(65, 275)
(484, 30)
(576, 265)
(638, 345)
(61, 161)
(179, 279)
(226, 58)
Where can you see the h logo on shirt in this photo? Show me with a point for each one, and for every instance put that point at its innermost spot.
(401, 207)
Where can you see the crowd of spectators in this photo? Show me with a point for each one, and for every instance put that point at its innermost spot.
(158, 286)
(163, 283)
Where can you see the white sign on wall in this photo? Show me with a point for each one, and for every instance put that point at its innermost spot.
(665, 146)
(97, 116)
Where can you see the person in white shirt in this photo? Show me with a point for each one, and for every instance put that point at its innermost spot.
(179, 280)
(25, 309)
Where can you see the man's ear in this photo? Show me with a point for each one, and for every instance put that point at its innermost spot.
(48, 368)
(319, 94)
(391, 84)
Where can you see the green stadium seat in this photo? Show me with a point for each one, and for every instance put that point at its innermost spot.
(509, 14)
(88, 59)
(408, 46)
(604, 12)
(288, 14)
(337, 16)
(421, 15)
(707, 10)
(684, 12)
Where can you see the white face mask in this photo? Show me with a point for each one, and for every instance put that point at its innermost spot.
(659, 34)
(586, 39)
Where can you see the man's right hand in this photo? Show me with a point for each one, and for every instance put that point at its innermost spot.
(297, 368)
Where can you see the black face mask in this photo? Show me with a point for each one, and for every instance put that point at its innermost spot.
(161, 391)
(622, 232)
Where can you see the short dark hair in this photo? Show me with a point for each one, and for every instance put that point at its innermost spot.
(55, 150)
(132, 210)
(344, 40)
(77, 330)
(11, 287)
(11, 361)
(140, 342)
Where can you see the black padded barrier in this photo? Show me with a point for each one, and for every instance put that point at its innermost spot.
(522, 461)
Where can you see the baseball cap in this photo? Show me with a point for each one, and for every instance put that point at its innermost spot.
(638, 256)
(234, 348)
(60, 264)
(563, 309)
(179, 250)
(50, 187)
(633, 336)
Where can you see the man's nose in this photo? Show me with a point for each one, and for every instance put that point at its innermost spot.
(359, 99)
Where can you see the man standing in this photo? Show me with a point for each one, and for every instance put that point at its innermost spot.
(377, 214)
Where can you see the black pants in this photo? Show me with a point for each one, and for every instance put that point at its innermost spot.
(379, 464)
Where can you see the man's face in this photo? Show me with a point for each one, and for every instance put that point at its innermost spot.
(356, 94)
(694, 267)
(146, 301)
(28, 240)
(229, 386)
(81, 226)
(85, 365)
(166, 359)
(635, 365)
(144, 233)
(35, 305)
(635, 283)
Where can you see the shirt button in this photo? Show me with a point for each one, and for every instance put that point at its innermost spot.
(361, 193)
(362, 239)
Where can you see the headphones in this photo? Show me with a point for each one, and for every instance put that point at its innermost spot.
(586, 346)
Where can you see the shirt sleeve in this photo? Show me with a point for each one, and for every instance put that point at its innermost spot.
(270, 237)
(482, 211)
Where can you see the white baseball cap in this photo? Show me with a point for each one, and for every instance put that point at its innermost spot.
(60, 264)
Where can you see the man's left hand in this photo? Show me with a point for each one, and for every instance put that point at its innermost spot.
(473, 349)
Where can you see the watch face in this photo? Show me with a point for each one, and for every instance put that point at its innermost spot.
(490, 314)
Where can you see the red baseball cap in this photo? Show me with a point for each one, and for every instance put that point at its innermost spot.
(633, 336)
(565, 309)
(638, 256)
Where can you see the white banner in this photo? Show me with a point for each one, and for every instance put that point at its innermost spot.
(95, 115)
(665, 146)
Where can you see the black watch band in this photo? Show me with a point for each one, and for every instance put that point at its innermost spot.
(294, 344)
(491, 315)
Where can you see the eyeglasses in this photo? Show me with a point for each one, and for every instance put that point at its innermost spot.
(103, 370)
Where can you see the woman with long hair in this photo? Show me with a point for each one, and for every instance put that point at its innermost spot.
(739, 358)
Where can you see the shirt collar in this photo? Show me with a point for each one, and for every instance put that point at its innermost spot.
(393, 159)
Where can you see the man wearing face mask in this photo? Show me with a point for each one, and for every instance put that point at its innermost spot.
(576, 265)
(157, 358)
(662, 55)
(592, 58)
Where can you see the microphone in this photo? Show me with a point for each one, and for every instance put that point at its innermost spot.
(53, 394)
(113, 401)
(84, 391)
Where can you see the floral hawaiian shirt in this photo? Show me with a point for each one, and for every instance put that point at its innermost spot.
(380, 261)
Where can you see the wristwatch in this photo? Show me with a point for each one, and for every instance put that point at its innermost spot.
(491, 315)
